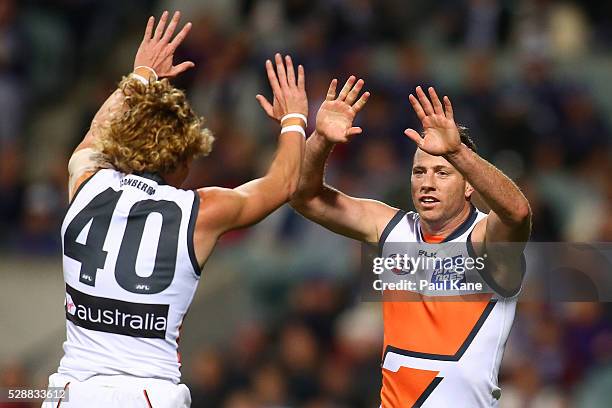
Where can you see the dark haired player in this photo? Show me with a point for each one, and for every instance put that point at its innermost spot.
(438, 351)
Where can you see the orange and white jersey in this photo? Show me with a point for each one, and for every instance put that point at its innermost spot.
(442, 349)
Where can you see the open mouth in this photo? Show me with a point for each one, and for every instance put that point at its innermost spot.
(428, 200)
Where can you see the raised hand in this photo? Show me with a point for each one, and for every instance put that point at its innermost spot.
(289, 91)
(441, 136)
(336, 115)
(157, 48)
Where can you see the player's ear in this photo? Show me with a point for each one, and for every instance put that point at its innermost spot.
(469, 190)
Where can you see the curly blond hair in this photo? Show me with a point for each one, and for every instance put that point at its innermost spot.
(155, 132)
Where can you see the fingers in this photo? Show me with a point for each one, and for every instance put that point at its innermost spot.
(346, 88)
(414, 135)
(352, 95)
(361, 102)
(280, 71)
(424, 101)
(331, 92)
(418, 109)
(180, 37)
(149, 30)
(290, 71)
(287, 89)
(355, 130)
(180, 68)
(276, 89)
(265, 105)
(159, 31)
(448, 108)
(172, 26)
(301, 78)
(437, 105)
(349, 93)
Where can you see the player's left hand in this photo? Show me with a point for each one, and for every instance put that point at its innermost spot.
(441, 136)
(157, 48)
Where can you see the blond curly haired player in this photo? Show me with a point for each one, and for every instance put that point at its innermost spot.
(134, 242)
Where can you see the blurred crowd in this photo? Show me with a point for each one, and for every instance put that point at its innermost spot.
(323, 354)
(519, 77)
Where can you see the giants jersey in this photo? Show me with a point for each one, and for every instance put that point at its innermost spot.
(131, 273)
(441, 352)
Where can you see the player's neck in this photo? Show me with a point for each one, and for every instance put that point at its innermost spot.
(172, 179)
(176, 178)
(439, 230)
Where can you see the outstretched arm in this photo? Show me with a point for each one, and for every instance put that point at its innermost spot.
(154, 59)
(223, 209)
(510, 214)
(356, 218)
(510, 217)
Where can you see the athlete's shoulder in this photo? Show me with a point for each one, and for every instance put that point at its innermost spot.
(409, 218)
(101, 177)
(412, 216)
(401, 228)
(480, 214)
(104, 176)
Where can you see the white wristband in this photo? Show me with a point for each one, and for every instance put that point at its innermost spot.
(139, 78)
(148, 68)
(294, 128)
(294, 115)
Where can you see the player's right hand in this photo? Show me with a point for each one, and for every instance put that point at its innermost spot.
(289, 91)
(157, 48)
(440, 133)
(336, 114)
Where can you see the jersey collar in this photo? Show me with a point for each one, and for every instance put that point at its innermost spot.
(152, 176)
(460, 230)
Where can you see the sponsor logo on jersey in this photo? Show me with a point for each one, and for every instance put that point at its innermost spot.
(449, 271)
(116, 316)
(70, 306)
(404, 266)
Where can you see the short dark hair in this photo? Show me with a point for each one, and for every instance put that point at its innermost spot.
(464, 134)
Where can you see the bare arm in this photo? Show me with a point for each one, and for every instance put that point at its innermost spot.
(509, 220)
(111, 106)
(356, 218)
(156, 51)
(510, 217)
(224, 209)
(510, 214)
(153, 59)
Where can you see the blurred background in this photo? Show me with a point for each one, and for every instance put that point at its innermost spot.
(277, 321)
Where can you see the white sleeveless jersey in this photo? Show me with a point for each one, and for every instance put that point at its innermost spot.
(443, 351)
(131, 273)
